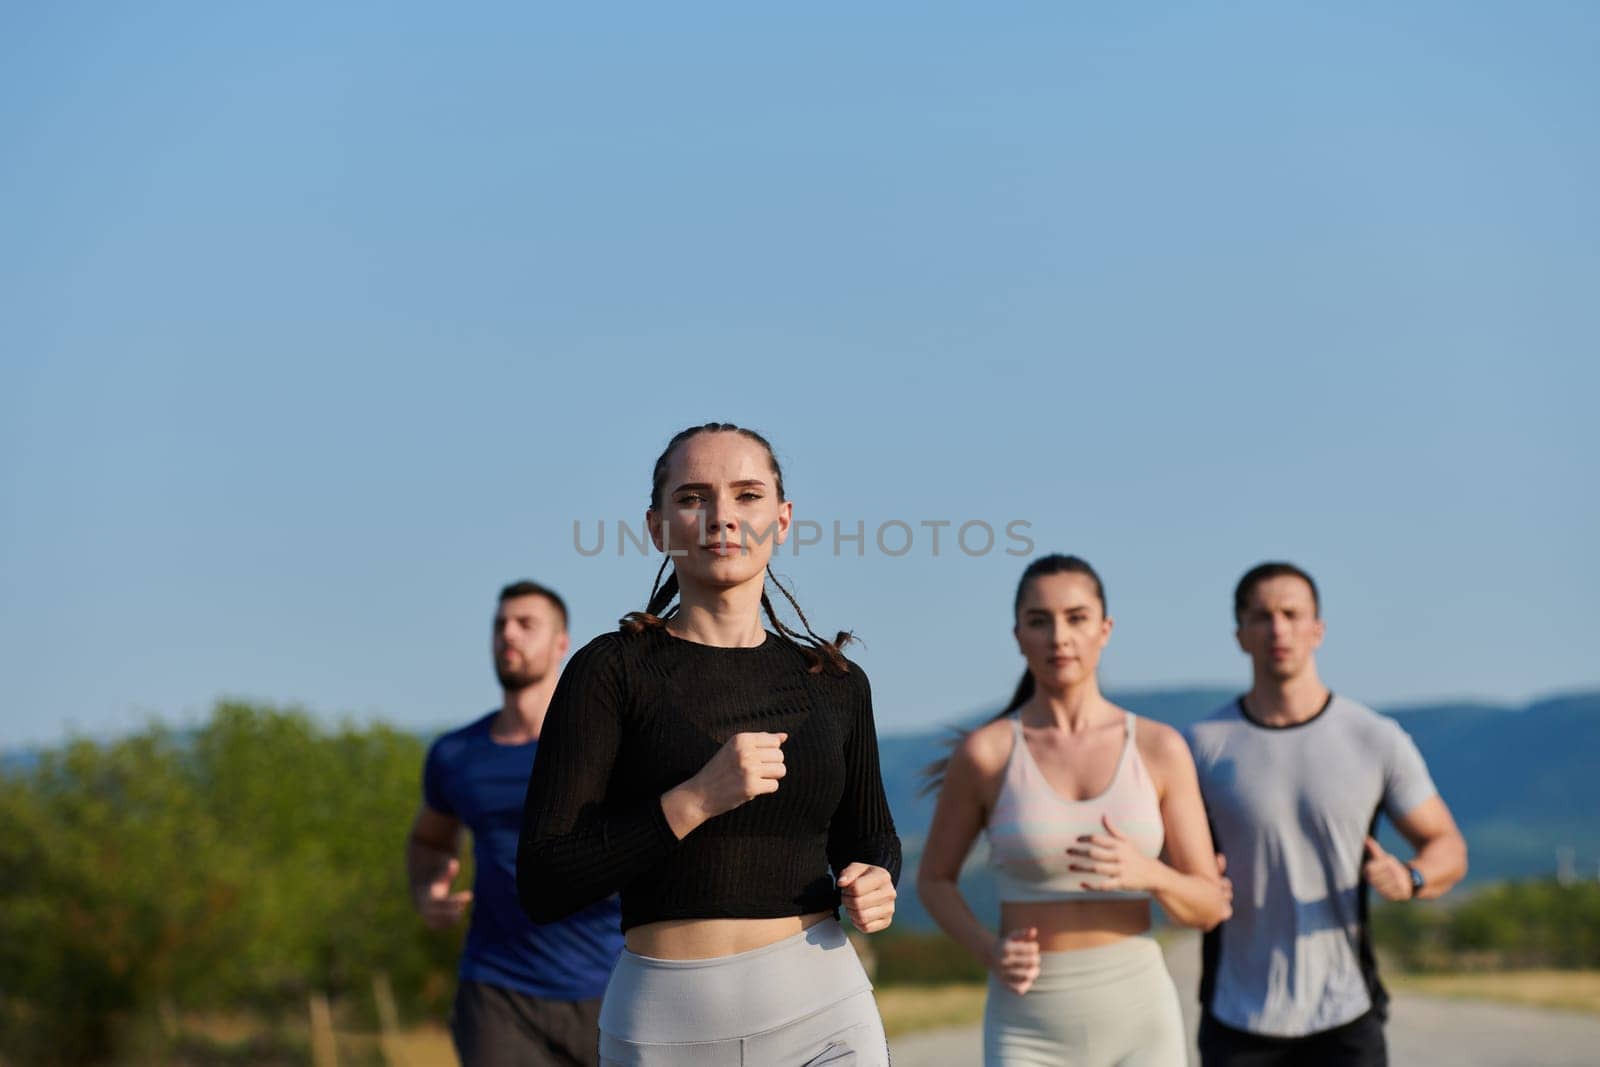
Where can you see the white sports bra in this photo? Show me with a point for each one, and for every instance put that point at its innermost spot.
(1032, 825)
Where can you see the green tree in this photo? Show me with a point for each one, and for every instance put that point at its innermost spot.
(243, 865)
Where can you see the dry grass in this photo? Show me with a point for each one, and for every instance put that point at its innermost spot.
(424, 1046)
(907, 1009)
(245, 1038)
(1568, 990)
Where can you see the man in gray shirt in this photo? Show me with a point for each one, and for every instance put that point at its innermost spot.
(1294, 778)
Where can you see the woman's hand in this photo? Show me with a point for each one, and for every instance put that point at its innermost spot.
(867, 893)
(745, 767)
(1015, 959)
(1117, 860)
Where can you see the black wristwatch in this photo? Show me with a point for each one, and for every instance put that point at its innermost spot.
(1417, 881)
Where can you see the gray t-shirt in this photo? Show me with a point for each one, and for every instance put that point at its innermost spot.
(1291, 808)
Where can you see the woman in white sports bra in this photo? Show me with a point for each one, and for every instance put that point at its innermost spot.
(1090, 812)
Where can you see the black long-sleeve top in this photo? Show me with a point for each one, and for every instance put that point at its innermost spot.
(635, 715)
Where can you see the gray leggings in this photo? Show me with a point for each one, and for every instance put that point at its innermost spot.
(801, 1002)
(1095, 1007)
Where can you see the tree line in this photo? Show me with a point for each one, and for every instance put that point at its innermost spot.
(1539, 923)
(241, 866)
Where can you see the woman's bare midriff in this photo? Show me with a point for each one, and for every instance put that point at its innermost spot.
(704, 939)
(1068, 925)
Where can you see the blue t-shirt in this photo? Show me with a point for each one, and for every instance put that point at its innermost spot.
(470, 777)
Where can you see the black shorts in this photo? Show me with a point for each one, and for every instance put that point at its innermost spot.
(495, 1027)
(1358, 1043)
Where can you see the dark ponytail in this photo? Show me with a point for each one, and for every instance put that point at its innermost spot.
(820, 653)
(1055, 563)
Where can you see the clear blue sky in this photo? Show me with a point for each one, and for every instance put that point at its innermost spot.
(319, 322)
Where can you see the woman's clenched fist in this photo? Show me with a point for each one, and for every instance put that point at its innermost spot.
(745, 767)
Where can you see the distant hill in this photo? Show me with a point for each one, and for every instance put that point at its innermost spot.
(1522, 782)
(18, 760)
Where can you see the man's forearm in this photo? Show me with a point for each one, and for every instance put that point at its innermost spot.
(1442, 862)
(425, 863)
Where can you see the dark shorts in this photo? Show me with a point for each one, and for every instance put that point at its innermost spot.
(495, 1027)
(1358, 1043)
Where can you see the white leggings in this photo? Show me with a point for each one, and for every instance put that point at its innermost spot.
(1109, 1006)
(801, 1002)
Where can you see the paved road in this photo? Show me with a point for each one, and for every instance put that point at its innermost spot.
(1423, 1031)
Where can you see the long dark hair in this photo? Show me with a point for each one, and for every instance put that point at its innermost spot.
(819, 652)
(1055, 563)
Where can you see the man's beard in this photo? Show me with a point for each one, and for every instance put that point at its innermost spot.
(514, 679)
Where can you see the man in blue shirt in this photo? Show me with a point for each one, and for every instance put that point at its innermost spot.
(527, 994)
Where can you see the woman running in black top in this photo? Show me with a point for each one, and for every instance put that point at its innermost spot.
(724, 778)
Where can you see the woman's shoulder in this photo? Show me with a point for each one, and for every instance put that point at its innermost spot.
(614, 650)
(636, 639)
(605, 645)
(856, 675)
(600, 655)
(1159, 744)
(987, 749)
(794, 655)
